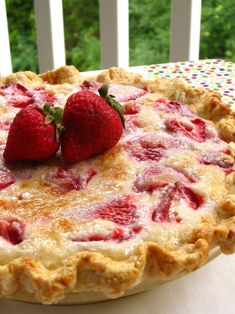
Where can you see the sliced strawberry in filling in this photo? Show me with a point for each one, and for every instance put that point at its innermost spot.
(42, 96)
(121, 211)
(6, 177)
(165, 211)
(12, 230)
(194, 129)
(219, 159)
(158, 177)
(173, 107)
(118, 234)
(17, 95)
(130, 108)
(90, 85)
(122, 93)
(66, 179)
(154, 146)
(144, 149)
(193, 199)
(5, 125)
(131, 123)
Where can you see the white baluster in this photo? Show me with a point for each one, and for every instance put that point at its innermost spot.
(114, 33)
(50, 34)
(5, 53)
(185, 30)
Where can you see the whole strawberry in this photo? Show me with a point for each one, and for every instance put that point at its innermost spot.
(34, 134)
(93, 124)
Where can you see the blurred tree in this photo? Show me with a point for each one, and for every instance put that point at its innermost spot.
(218, 30)
(149, 32)
(21, 24)
(81, 22)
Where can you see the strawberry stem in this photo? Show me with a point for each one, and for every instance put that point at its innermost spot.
(103, 91)
(54, 115)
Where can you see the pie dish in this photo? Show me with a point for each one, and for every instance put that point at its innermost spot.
(149, 210)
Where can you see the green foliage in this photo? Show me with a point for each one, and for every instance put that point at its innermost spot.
(81, 22)
(218, 30)
(21, 23)
(149, 32)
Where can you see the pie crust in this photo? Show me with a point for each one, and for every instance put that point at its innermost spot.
(95, 274)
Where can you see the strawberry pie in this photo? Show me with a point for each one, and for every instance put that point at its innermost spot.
(110, 184)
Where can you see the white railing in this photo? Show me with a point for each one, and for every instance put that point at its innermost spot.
(5, 54)
(114, 33)
(50, 34)
(185, 30)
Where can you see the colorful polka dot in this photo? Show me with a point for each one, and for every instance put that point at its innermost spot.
(217, 75)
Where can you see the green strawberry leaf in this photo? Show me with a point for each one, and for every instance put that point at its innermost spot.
(103, 91)
(54, 115)
(48, 119)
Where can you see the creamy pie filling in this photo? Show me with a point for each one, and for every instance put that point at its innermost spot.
(165, 176)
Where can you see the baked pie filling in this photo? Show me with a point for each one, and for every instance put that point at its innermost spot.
(153, 205)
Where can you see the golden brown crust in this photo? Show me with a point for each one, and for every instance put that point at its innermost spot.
(27, 78)
(224, 235)
(64, 74)
(90, 271)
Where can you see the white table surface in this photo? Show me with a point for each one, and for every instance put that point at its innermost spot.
(210, 290)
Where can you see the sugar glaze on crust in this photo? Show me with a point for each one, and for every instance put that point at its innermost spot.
(55, 270)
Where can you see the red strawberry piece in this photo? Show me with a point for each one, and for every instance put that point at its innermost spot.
(90, 85)
(143, 149)
(124, 93)
(64, 180)
(17, 95)
(173, 107)
(131, 123)
(228, 151)
(12, 230)
(219, 159)
(93, 124)
(162, 212)
(6, 178)
(121, 211)
(155, 146)
(193, 199)
(158, 177)
(92, 238)
(130, 108)
(194, 129)
(33, 134)
(173, 194)
(118, 234)
(5, 125)
(42, 96)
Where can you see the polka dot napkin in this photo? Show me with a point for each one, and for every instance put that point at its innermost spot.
(217, 75)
